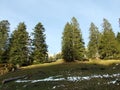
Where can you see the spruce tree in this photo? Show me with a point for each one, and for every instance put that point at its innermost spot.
(19, 46)
(67, 44)
(107, 47)
(40, 54)
(4, 40)
(93, 44)
(72, 42)
(78, 44)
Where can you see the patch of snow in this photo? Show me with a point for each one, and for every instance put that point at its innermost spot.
(70, 78)
(54, 87)
(116, 75)
(97, 76)
(23, 81)
(112, 82)
(48, 79)
(86, 78)
(107, 76)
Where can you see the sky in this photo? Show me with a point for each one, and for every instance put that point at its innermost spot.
(54, 14)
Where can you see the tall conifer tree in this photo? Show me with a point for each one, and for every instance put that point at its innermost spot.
(67, 44)
(93, 44)
(72, 42)
(78, 44)
(4, 40)
(19, 46)
(107, 48)
(40, 54)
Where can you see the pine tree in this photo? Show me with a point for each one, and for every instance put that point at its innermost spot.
(93, 44)
(107, 47)
(40, 47)
(72, 42)
(19, 46)
(4, 40)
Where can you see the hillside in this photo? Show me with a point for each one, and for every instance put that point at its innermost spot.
(88, 75)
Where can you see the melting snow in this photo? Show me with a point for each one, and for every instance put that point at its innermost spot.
(114, 82)
(71, 78)
(54, 87)
(48, 79)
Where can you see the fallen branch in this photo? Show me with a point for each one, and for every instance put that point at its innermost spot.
(12, 79)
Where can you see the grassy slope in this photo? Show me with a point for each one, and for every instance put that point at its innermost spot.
(66, 69)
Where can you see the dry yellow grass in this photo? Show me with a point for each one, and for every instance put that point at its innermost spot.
(43, 65)
(104, 62)
(99, 62)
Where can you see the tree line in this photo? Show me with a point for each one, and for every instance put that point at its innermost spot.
(21, 49)
(102, 45)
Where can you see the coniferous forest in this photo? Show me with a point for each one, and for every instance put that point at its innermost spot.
(25, 63)
(20, 49)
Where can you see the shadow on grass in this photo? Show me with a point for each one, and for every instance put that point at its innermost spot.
(54, 69)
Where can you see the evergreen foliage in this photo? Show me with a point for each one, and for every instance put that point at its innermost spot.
(118, 37)
(67, 44)
(93, 44)
(19, 46)
(107, 47)
(78, 44)
(4, 40)
(72, 42)
(40, 54)
(118, 45)
(21, 49)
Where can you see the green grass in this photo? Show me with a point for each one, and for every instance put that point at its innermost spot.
(77, 68)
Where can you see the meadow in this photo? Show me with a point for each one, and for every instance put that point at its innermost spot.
(60, 75)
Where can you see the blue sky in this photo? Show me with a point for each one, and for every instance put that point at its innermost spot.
(54, 14)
